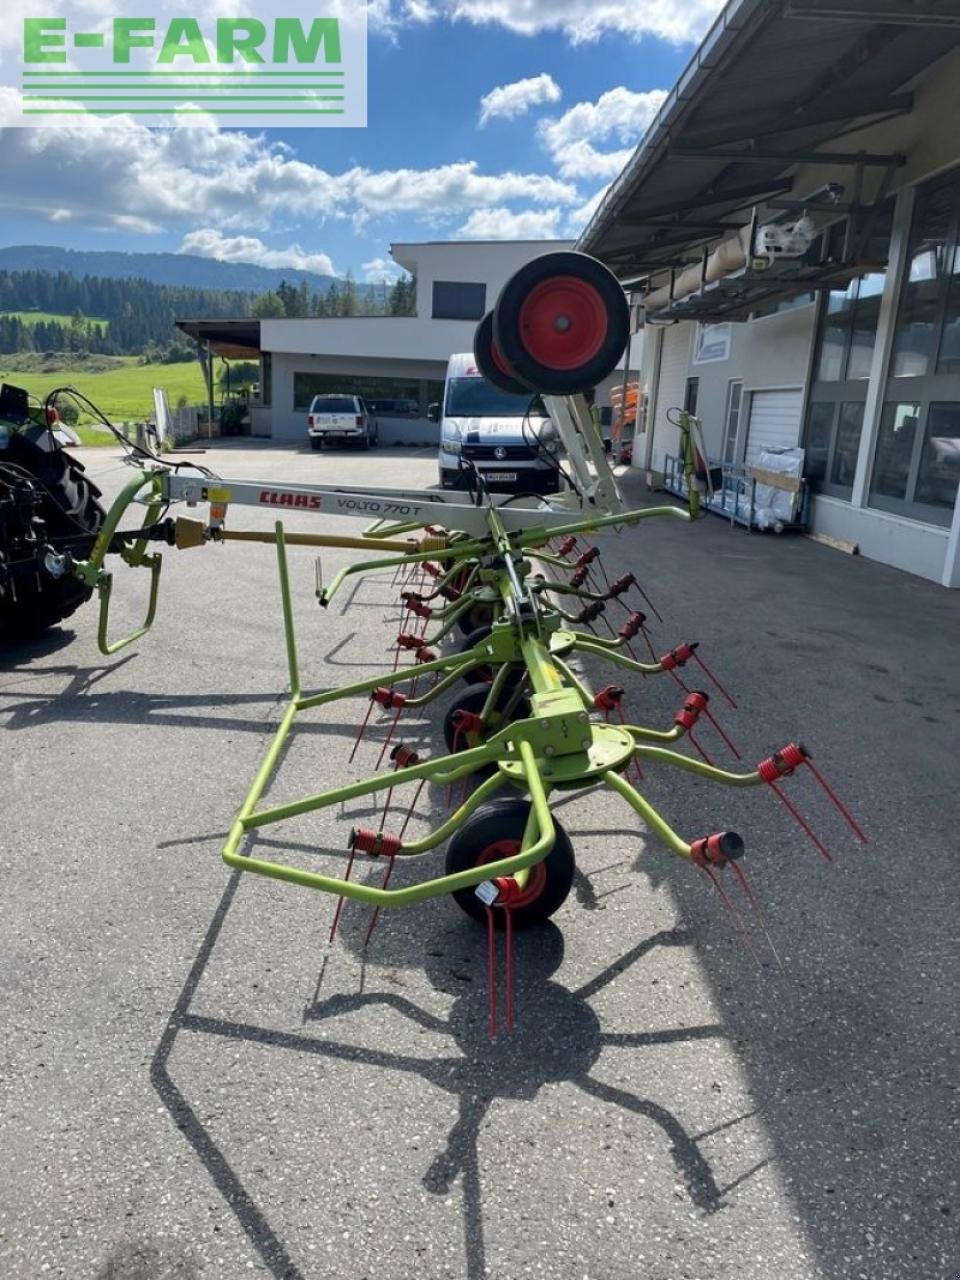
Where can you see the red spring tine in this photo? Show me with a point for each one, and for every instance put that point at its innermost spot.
(801, 821)
(646, 635)
(694, 743)
(719, 730)
(733, 913)
(340, 900)
(386, 741)
(363, 726)
(837, 801)
(492, 971)
(757, 910)
(406, 822)
(636, 758)
(508, 969)
(685, 688)
(376, 911)
(653, 608)
(710, 674)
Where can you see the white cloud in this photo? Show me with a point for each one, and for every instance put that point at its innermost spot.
(577, 219)
(206, 242)
(381, 271)
(680, 21)
(582, 161)
(117, 170)
(508, 101)
(618, 115)
(504, 224)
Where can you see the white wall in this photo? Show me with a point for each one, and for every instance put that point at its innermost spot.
(489, 262)
(371, 337)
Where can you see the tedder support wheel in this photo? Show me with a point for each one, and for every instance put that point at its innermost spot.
(490, 360)
(509, 707)
(481, 615)
(561, 323)
(496, 831)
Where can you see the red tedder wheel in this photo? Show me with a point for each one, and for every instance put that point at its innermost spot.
(561, 323)
(490, 361)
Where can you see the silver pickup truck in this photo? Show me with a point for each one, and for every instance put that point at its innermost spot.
(333, 417)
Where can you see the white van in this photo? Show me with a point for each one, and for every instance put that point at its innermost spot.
(508, 439)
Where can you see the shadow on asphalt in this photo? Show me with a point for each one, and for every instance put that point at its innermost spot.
(558, 1038)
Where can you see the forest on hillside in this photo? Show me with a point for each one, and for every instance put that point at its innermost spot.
(42, 311)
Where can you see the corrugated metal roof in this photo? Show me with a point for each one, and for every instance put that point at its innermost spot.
(763, 80)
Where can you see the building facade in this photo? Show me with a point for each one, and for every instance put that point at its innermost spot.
(855, 354)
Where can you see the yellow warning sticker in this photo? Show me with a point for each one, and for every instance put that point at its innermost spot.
(217, 495)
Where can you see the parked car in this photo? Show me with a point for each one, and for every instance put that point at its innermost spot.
(334, 417)
(506, 439)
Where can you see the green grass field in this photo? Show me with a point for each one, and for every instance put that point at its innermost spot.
(49, 317)
(124, 392)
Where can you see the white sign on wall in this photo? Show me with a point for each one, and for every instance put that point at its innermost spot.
(712, 343)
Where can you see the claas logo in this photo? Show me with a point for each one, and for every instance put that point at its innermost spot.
(300, 501)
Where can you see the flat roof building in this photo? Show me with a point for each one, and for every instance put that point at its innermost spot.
(397, 363)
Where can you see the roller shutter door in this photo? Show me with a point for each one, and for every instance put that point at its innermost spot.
(774, 421)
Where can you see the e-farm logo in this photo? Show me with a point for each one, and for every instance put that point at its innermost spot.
(296, 66)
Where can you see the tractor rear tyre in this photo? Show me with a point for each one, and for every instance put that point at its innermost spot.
(44, 496)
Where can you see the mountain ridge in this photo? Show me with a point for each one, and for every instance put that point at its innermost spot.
(174, 269)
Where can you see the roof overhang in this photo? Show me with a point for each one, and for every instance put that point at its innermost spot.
(232, 339)
(771, 93)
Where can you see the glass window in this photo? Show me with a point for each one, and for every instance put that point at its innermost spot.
(865, 317)
(940, 461)
(915, 343)
(836, 333)
(849, 427)
(397, 396)
(455, 300)
(333, 404)
(849, 330)
(817, 443)
(891, 467)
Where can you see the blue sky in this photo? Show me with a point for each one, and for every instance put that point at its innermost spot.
(565, 112)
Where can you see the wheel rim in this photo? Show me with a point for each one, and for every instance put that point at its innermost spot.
(538, 875)
(563, 323)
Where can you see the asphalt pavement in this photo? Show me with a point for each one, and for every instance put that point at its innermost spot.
(193, 1083)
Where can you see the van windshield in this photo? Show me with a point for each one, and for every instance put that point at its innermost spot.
(476, 398)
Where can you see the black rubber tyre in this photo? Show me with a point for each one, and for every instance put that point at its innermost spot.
(495, 831)
(561, 323)
(315, 444)
(490, 360)
(473, 700)
(481, 615)
(69, 507)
